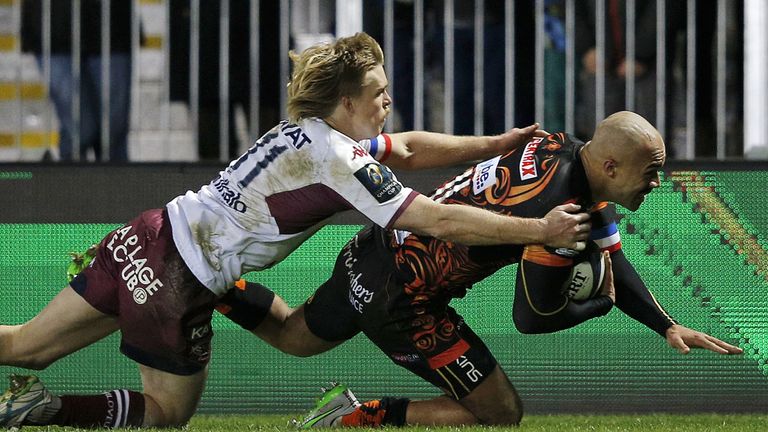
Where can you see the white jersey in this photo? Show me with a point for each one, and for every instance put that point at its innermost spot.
(276, 195)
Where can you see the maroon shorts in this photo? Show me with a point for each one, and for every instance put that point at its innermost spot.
(163, 310)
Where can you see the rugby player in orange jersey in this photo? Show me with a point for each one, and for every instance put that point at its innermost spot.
(396, 287)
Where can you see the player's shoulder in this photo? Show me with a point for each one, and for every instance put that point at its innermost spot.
(560, 148)
(297, 136)
(340, 148)
(541, 154)
(306, 134)
(559, 143)
(309, 137)
(552, 144)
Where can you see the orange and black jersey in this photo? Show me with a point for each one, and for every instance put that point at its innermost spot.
(527, 182)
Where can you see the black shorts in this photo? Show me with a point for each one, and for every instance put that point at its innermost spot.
(164, 312)
(424, 335)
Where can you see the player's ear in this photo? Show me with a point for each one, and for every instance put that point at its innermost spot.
(609, 167)
(348, 104)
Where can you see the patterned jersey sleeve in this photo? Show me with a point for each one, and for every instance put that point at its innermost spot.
(367, 185)
(379, 147)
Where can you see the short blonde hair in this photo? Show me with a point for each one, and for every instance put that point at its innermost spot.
(323, 73)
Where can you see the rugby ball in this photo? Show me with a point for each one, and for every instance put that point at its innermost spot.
(586, 277)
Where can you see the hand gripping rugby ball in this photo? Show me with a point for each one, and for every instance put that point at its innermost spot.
(586, 276)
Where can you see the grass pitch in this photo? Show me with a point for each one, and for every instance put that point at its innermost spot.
(532, 423)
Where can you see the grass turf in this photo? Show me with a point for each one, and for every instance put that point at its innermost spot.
(532, 423)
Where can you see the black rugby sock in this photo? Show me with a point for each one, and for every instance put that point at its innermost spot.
(113, 409)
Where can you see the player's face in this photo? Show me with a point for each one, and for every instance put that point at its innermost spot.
(638, 176)
(371, 106)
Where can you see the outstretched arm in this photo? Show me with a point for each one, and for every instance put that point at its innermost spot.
(634, 299)
(420, 150)
(683, 339)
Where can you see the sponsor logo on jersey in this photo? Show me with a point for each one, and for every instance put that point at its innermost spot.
(137, 275)
(199, 332)
(379, 181)
(297, 136)
(229, 196)
(528, 160)
(359, 295)
(358, 151)
(485, 175)
(563, 252)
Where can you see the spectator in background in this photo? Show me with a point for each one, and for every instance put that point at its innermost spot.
(615, 60)
(706, 16)
(494, 71)
(61, 85)
(402, 61)
(493, 67)
(554, 64)
(240, 73)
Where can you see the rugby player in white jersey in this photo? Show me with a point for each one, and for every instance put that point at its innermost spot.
(158, 278)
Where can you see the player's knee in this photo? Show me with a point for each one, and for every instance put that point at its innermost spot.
(175, 417)
(508, 412)
(159, 413)
(179, 419)
(509, 418)
(292, 348)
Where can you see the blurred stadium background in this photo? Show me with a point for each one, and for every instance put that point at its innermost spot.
(468, 67)
(700, 241)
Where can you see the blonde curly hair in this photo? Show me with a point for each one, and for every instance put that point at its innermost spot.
(323, 73)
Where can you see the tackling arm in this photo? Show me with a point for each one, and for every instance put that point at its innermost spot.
(419, 150)
(561, 227)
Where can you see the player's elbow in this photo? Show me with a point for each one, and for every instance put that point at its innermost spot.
(528, 324)
(427, 217)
